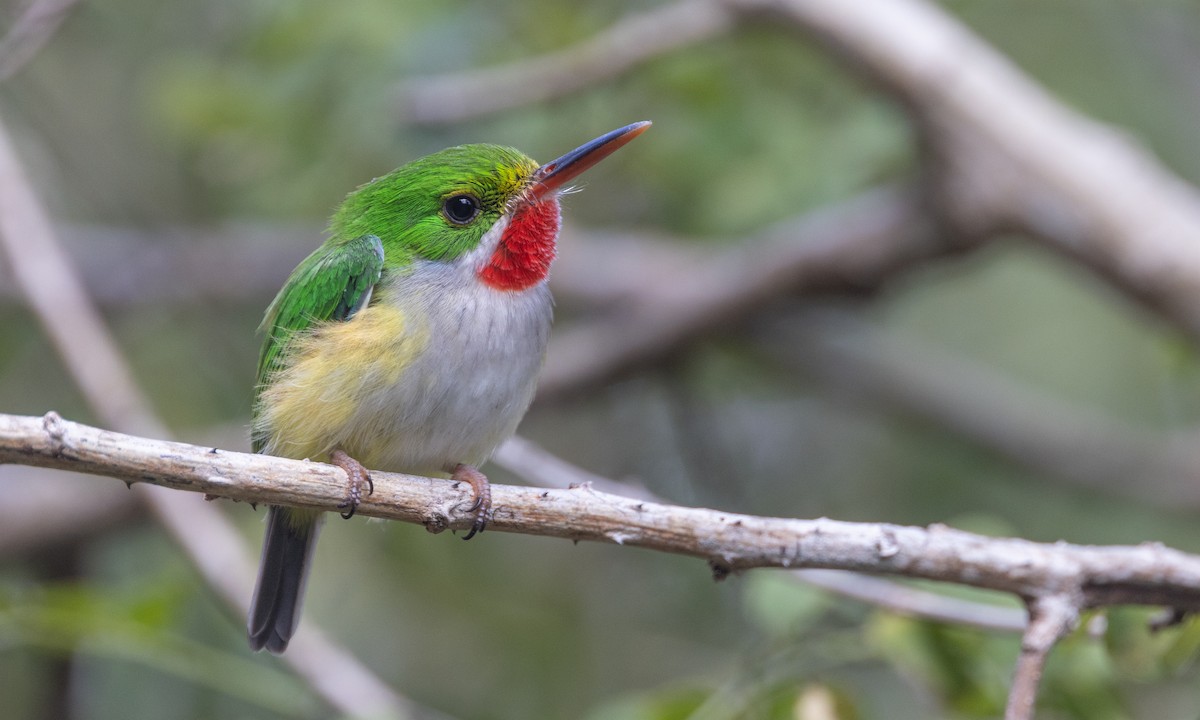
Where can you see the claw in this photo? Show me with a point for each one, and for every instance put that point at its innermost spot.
(476, 527)
(357, 476)
(481, 504)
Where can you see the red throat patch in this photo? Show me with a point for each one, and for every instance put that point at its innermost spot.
(522, 257)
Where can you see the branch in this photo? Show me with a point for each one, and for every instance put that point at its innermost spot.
(617, 50)
(52, 514)
(128, 266)
(1076, 444)
(33, 29)
(1148, 574)
(914, 602)
(534, 464)
(1050, 619)
(1005, 155)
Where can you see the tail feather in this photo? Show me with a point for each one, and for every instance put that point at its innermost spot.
(283, 572)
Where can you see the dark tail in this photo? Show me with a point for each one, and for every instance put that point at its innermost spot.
(287, 550)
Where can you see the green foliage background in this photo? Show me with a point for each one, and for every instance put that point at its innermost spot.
(154, 115)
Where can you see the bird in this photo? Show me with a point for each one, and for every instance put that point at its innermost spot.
(410, 340)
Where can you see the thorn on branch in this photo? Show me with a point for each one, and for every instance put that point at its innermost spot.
(56, 430)
(436, 522)
(887, 545)
(720, 570)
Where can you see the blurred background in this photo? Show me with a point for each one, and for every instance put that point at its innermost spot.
(190, 154)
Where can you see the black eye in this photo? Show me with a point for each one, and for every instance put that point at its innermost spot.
(460, 209)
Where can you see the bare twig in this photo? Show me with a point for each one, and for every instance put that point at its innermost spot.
(914, 602)
(31, 30)
(1149, 574)
(1050, 618)
(49, 282)
(124, 266)
(631, 41)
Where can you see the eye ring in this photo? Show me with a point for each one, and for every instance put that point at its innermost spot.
(461, 208)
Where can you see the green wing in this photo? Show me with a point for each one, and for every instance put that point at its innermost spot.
(331, 284)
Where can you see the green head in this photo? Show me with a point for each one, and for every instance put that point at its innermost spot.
(444, 206)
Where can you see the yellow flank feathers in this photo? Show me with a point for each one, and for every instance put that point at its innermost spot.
(310, 405)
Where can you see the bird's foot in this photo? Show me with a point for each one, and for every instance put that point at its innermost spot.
(358, 477)
(481, 503)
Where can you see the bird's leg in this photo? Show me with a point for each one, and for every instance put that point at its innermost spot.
(481, 504)
(358, 476)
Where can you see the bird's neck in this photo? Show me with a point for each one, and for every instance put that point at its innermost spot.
(523, 256)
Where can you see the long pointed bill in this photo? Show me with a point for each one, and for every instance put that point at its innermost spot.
(555, 174)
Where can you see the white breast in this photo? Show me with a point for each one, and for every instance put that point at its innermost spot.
(469, 387)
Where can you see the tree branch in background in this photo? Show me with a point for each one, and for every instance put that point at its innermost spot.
(629, 42)
(851, 357)
(32, 29)
(52, 511)
(852, 246)
(1093, 576)
(914, 602)
(127, 266)
(1004, 154)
